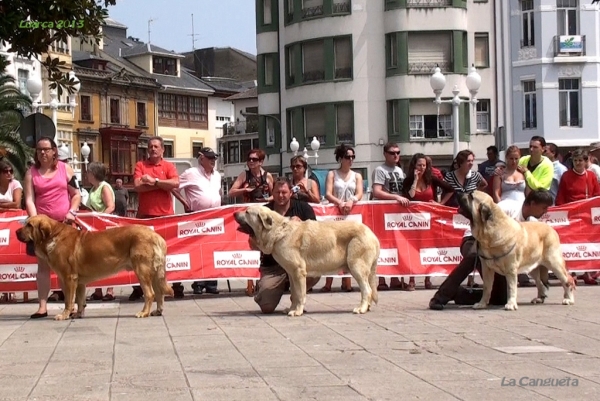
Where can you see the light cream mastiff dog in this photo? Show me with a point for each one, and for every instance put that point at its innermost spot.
(314, 248)
(509, 248)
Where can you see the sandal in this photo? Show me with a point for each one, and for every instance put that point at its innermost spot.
(325, 289)
(56, 296)
(108, 297)
(428, 285)
(383, 287)
(410, 286)
(96, 297)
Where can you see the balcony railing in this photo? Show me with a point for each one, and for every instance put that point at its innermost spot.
(312, 11)
(428, 3)
(342, 73)
(240, 128)
(341, 7)
(569, 45)
(316, 75)
(428, 67)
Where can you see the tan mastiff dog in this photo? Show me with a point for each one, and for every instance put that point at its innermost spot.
(82, 257)
(509, 248)
(314, 248)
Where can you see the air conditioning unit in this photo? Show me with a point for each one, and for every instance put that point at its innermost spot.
(570, 44)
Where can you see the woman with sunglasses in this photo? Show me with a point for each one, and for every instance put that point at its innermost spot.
(254, 185)
(304, 188)
(50, 189)
(343, 188)
(11, 193)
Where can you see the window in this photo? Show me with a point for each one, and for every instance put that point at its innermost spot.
(164, 65)
(123, 156)
(430, 126)
(426, 50)
(232, 152)
(343, 57)
(270, 123)
(115, 111)
(569, 96)
(483, 115)
(169, 148)
(341, 6)
(269, 70)
(196, 146)
(141, 114)
(22, 77)
(567, 17)
(237, 151)
(85, 107)
(527, 33)
(166, 106)
(392, 46)
(267, 13)
(65, 137)
(482, 49)
(290, 65)
(290, 11)
(344, 127)
(313, 61)
(530, 105)
(198, 109)
(314, 123)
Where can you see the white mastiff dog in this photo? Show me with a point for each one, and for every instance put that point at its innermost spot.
(315, 248)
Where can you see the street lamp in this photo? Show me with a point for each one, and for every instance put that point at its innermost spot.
(34, 87)
(314, 145)
(438, 82)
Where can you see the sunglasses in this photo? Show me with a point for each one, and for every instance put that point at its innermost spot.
(349, 157)
(44, 150)
(393, 153)
(297, 167)
(253, 159)
(9, 171)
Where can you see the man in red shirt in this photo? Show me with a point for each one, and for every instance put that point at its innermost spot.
(153, 180)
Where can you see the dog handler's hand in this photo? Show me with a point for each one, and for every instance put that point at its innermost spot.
(69, 218)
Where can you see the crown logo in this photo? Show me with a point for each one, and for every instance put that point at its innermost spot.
(19, 269)
(442, 252)
(581, 247)
(546, 216)
(407, 217)
(237, 255)
(201, 224)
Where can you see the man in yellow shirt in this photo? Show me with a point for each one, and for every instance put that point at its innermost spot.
(537, 169)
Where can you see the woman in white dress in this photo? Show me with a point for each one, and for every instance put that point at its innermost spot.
(343, 188)
(511, 184)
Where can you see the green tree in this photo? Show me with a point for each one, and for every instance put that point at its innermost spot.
(25, 26)
(12, 102)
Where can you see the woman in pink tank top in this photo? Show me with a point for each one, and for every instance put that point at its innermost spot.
(47, 191)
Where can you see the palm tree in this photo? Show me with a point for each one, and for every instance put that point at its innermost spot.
(12, 102)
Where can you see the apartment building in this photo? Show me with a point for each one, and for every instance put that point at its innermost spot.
(357, 72)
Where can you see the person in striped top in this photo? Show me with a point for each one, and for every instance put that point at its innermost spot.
(463, 179)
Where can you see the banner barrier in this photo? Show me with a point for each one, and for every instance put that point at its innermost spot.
(418, 240)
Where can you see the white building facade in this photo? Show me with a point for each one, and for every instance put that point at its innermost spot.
(553, 63)
(357, 71)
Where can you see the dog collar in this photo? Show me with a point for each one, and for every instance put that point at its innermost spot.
(496, 257)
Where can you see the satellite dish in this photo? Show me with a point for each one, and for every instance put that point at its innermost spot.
(35, 126)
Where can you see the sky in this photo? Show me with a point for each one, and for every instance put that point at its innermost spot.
(217, 23)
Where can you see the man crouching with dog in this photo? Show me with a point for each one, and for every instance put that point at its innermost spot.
(273, 278)
(535, 206)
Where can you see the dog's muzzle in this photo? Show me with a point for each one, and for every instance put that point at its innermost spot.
(243, 226)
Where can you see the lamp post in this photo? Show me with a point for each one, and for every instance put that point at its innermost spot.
(85, 153)
(34, 87)
(314, 145)
(438, 82)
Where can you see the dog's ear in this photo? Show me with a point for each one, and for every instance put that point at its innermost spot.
(485, 212)
(41, 229)
(265, 219)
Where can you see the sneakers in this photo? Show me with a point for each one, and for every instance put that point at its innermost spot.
(434, 304)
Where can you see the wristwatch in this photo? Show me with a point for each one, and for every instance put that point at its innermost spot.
(156, 181)
(73, 212)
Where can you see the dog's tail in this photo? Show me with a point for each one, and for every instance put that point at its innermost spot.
(373, 281)
(159, 261)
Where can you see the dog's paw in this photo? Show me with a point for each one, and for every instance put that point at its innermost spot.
(480, 305)
(360, 310)
(61, 316)
(295, 312)
(538, 300)
(567, 301)
(76, 315)
(510, 306)
(156, 313)
(141, 314)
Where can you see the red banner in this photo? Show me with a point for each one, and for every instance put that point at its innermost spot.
(422, 239)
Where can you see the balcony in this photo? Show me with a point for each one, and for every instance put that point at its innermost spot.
(428, 3)
(568, 46)
(313, 76)
(426, 67)
(341, 7)
(312, 11)
(240, 128)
